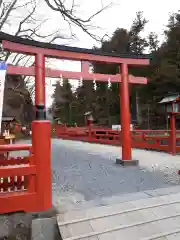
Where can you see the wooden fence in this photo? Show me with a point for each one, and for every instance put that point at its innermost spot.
(159, 140)
(25, 182)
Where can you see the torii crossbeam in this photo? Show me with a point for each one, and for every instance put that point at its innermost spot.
(41, 50)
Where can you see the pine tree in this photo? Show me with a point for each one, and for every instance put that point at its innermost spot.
(84, 101)
(62, 106)
(122, 41)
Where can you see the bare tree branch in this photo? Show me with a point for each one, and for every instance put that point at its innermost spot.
(6, 12)
(71, 17)
(1, 1)
(21, 16)
(25, 19)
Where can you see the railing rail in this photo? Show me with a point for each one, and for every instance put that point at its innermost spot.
(159, 140)
(15, 147)
(15, 180)
(22, 179)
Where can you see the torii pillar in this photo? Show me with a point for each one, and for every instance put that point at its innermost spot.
(41, 138)
(126, 159)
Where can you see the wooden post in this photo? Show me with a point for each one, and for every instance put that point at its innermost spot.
(173, 134)
(41, 142)
(41, 139)
(90, 130)
(40, 86)
(125, 119)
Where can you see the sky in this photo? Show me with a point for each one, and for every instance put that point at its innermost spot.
(121, 15)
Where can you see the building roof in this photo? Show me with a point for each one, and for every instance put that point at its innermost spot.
(170, 98)
(87, 113)
(8, 119)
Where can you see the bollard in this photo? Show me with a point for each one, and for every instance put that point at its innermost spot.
(41, 143)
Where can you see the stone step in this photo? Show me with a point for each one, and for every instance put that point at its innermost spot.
(144, 219)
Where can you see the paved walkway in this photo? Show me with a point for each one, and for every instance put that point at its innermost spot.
(99, 200)
(143, 219)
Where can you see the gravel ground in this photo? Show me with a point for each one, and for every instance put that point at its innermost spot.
(84, 172)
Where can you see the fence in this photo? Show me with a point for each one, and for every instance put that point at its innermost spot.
(159, 140)
(25, 182)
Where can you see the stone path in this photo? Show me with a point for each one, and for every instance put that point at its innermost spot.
(143, 219)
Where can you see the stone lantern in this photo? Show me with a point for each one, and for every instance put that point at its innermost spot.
(88, 118)
(172, 105)
(89, 121)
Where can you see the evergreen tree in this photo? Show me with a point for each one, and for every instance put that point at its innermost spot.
(84, 101)
(122, 41)
(62, 106)
(18, 100)
(163, 77)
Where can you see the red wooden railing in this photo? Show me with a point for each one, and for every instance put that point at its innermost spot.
(159, 140)
(15, 181)
(25, 182)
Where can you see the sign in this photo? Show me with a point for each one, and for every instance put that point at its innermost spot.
(2, 84)
(118, 127)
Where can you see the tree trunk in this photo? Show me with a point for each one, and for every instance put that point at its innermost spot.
(138, 109)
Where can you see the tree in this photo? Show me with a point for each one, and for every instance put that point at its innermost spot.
(84, 100)
(163, 74)
(137, 45)
(63, 103)
(23, 19)
(17, 100)
(57, 100)
(122, 41)
(165, 69)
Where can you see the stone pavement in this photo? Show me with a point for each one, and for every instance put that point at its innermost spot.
(144, 219)
(29, 226)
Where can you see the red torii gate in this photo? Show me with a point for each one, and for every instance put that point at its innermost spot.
(39, 169)
(41, 50)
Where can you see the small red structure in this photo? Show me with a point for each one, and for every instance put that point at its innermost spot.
(88, 118)
(38, 170)
(172, 104)
(89, 121)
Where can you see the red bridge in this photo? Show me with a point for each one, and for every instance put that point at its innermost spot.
(159, 140)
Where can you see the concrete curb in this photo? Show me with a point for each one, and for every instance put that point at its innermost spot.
(45, 229)
(43, 225)
(104, 201)
(27, 225)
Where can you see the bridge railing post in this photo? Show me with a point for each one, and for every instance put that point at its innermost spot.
(41, 143)
(172, 136)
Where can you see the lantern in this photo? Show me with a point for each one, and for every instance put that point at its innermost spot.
(89, 118)
(172, 103)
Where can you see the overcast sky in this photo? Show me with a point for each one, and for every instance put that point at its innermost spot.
(121, 15)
